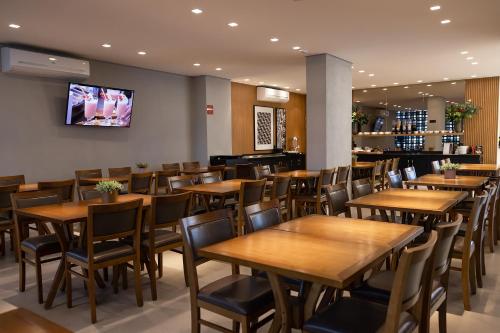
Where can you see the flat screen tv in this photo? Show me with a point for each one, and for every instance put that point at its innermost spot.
(98, 106)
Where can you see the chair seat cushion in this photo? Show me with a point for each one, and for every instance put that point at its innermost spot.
(458, 249)
(103, 251)
(355, 315)
(43, 245)
(162, 238)
(6, 223)
(238, 293)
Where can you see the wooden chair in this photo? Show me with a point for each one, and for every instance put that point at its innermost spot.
(65, 187)
(190, 165)
(377, 176)
(241, 298)
(6, 221)
(245, 171)
(281, 191)
(251, 192)
(36, 250)
(119, 172)
(210, 177)
(280, 168)
(140, 183)
(447, 160)
(395, 179)
(229, 172)
(489, 214)
(178, 182)
(400, 315)
(410, 174)
(262, 215)
(442, 162)
(219, 168)
(106, 224)
(465, 247)
(360, 188)
(166, 212)
(316, 200)
(343, 174)
(261, 171)
(436, 167)
(337, 196)
(12, 180)
(88, 192)
(172, 166)
(80, 176)
(395, 164)
(161, 180)
(492, 219)
(435, 287)
(387, 167)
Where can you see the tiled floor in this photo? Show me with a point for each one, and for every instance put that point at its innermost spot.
(171, 312)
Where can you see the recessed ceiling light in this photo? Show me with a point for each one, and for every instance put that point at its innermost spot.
(464, 52)
(361, 71)
(297, 89)
(445, 78)
(141, 53)
(373, 85)
(296, 48)
(287, 87)
(106, 45)
(246, 80)
(473, 75)
(469, 58)
(395, 83)
(275, 85)
(436, 7)
(406, 87)
(453, 83)
(445, 21)
(196, 64)
(352, 66)
(395, 105)
(358, 101)
(381, 103)
(429, 85)
(365, 90)
(218, 69)
(274, 39)
(196, 11)
(420, 92)
(352, 87)
(384, 89)
(232, 24)
(474, 63)
(261, 82)
(14, 26)
(420, 81)
(371, 75)
(52, 59)
(431, 95)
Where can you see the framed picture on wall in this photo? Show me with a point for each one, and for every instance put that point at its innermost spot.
(280, 128)
(263, 119)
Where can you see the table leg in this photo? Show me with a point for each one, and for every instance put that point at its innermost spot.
(416, 219)
(282, 318)
(64, 242)
(383, 214)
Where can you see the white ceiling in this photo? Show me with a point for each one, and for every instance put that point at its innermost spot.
(398, 40)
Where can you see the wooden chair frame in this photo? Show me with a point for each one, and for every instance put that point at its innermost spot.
(119, 172)
(243, 201)
(60, 185)
(140, 176)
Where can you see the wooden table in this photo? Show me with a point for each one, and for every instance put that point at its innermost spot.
(479, 169)
(469, 183)
(61, 216)
(195, 171)
(28, 187)
(222, 190)
(297, 174)
(363, 165)
(25, 321)
(362, 169)
(324, 250)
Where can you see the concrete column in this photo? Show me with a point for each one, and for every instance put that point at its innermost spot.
(435, 115)
(211, 133)
(329, 104)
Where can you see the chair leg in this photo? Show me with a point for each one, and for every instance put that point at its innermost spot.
(195, 319)
(491, 236)
(39, 284)
(152, 276)
(137, 278)
(442, 317)
(483, 262)
(91, 293)
(184, 269)
(245, 326)
(473, 275)
(2, 243)
(67, 273)
(105, 274)
(124, 277)
(478, 264)
(466, 283)
(236, 326)
(22, 271)
(160, 264)
(116, 277)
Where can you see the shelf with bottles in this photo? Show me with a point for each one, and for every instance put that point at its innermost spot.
(419, 133)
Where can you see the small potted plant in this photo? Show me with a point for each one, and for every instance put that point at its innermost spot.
(142, 166)
(450, 170)
(456, 113)
(109, 190)
(358, 119)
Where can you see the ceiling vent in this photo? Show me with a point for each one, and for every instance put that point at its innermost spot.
(265, 94)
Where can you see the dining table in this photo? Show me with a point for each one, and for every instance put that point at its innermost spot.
(296, 174)
(320, 250)
(62, 216)
(460, 182)
(195, 171)
(221, 190)
(361, 169)
(479, 169)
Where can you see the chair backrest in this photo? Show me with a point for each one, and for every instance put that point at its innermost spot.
(447, 160)
(88, 192)
(262, 215)
(343, 174)
(167, 210)
(177, 182)
(444, 247)
(171, 166)
(395, 164)
(436, 167)
(442, 162)
(119, 172)
(489, 206)
(395, 179)
(261, 171)
(377, 174)
(210, 177)
(202, 230)
(280, 168)
(161, 180)
(12, 180)
(140, 183)
(474, 223)
(408, 282)
(66, 188)
(337, 196)
(251, 192)
(244, 171)
(5, 192)
(410, 173)
(281, 188)
(361, 187)
(229, 173)
(190, 165)
(80, 175)
(220, 168)
(325, 178)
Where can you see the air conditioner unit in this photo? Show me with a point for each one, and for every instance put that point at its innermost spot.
(265, 94)
(23, 62)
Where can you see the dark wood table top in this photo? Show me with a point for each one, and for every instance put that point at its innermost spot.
(297, 174)
(331, 251)
(25, 321)
(462, 182)
(71, 212)
(225, 187)
(195, 171)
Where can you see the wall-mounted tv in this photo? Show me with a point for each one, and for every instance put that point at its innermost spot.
(98, 106)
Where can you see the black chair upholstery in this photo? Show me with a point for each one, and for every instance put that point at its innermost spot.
(395, 179)
(103, 251)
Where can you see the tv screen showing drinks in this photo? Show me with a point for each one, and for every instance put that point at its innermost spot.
(99, 106)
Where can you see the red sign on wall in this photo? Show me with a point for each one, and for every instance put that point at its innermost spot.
(210, 109)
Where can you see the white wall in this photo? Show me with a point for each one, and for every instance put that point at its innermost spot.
(34, 140)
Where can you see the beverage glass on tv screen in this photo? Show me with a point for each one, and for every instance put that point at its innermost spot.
(98, 106)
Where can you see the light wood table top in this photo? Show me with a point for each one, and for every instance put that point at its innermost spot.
(332, 254)
(195, 171)
(478, 167)
(363, 165)
(23, 320)
(30, 187)
(226, 187)
(412, 201)
(71, 212)
(95, 180)
(462, 182)
(297, 174)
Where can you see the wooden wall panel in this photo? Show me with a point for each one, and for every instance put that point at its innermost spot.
(482, 128)
(243, 98)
